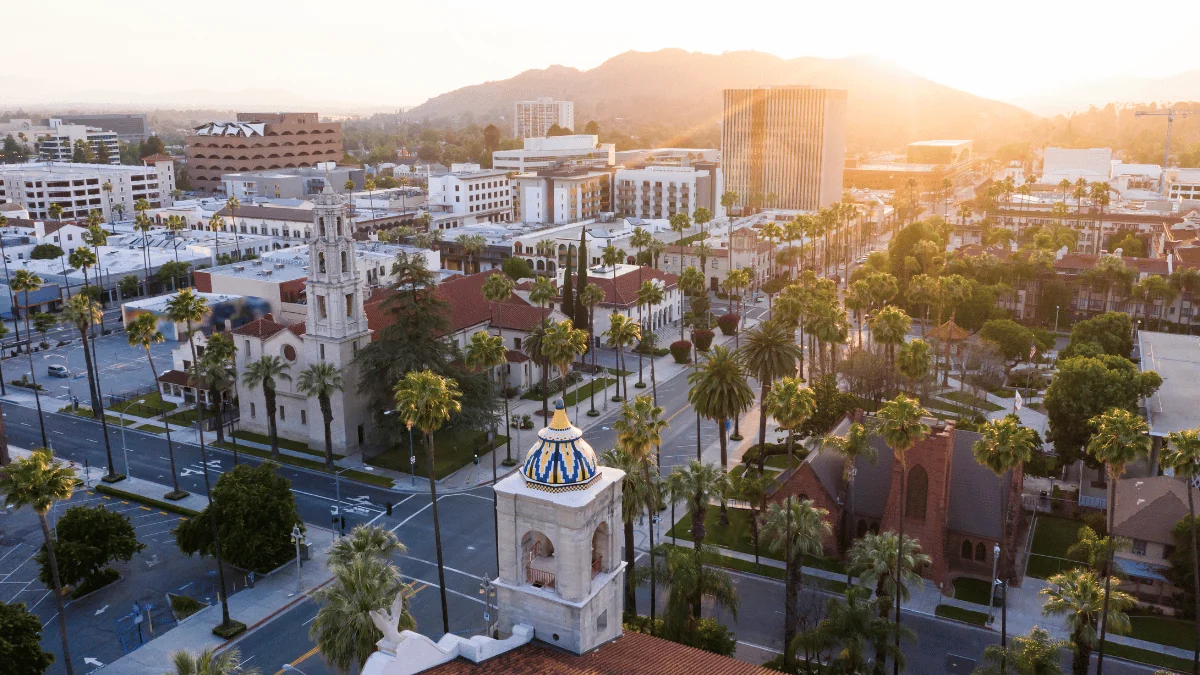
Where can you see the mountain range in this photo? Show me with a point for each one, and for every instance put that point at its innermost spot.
(1119, 89)
(888, 106)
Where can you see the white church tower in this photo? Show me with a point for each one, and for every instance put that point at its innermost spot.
(337, 326)
(561, 570)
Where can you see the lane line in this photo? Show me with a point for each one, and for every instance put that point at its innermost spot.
(765, 649)
(300, 660)
(448, 590)
(448, 569)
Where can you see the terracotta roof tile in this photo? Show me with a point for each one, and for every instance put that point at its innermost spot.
(260, 328)
(269, 213)
(630, 654)
(298, 328)
(1086, 261)
(622, 291)
(464, 296)
(176, 377)
(158, 157)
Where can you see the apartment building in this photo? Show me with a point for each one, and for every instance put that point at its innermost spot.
(111, 189)
(259, 142)
(746, 253)
(663, 191)
(298, 183)
(129, 127)
(546, 153)
(483, 194)
(561, 196)
(784, 147)
(532, 119)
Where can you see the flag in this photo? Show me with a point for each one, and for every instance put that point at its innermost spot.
(1032, 351)
(1018, 402)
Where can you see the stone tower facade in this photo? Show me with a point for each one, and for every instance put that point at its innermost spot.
(561, 569)
(929, 463)
(337, 326)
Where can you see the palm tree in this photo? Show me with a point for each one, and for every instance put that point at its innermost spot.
(38, 481)
(697, 484)
(649, 295)
(688, 582)
(82, 312)
(561, 343)
(796, 530)
(901, 426)
(913, 362)
(543, 292)
(1121, 438)
(691, 284)
(263, 373)
(888, 328)
(622, 332)
(143, 332)
(1033, 654)
(770, 353)
(1085, 602)
(1005, 446)
(638, 430)
(343, 628)
(24, 281)
(207, 662)
(486, 352)
(590, 296)
(1183, 455)
(752, 487)
(321, 380)
(426, 400)
(215, 374)
(853, 623)
(634, 493)
(873, 559)
(368, 540)
(719, 391)
(232, 204)
(855, 445)
(790, 403)
(472, 245)
(497, 290)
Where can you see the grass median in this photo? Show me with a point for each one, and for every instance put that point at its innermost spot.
(960, 614)
(111, 491)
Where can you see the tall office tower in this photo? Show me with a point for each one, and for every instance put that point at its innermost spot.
(533, 119)
(784, 147)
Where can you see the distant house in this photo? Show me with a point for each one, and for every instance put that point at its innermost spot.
(1146, 512)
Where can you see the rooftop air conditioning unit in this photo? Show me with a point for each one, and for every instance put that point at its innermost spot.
(261, 273)
(256, 263)
(279, 266)
(266, 273)
(239, 268)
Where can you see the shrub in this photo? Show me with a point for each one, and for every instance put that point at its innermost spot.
(703, 338)
(183, 606)
(682, 351)
(95, 583)
(728, 323)
(713, 636)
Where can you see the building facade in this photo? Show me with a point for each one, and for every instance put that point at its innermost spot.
(561, 196)
(111, 189)
(546, 153)
(129, 127)
(291, 183)
(533, 119)
(663, 191)
(258, 142)
(468, 190)
(784, 147)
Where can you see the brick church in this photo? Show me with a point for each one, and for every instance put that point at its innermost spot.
(953, 503)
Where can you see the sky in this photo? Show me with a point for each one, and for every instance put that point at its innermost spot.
(400, 53)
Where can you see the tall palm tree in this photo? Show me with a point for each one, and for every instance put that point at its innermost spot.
(634, 493)
(263, 373)
(1086, 603)
(790, 403)
(649, 295)
(752, 487)
(321, 380)
(1183, 455)
(697, 484)
(343, 630)
(590, 296)
(873, 558)
(913, 363)
(796, 529)
(688, 582)
(1121, 438)
(855, 445)
(232, 204)
(901, 426)
(24, 281)
(560, 345)
(38, 481)
(497, 290)
(486, 352)
(719, 392)
(888, 328)
(622, 332)
(82, 312)
(691, 284)
(207, 662)
(638, 430)
(426, 400)
(1006, 446)
(369, 540)
(472, 245)
(214, 373)
(542, 294)
(143, 332)
(852, 622)
(770, 353)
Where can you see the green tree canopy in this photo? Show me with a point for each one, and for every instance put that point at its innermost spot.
(516, 268)
(89, 538)
(46, 252)
(1085, 387)
(1011, 338)
(1110, 333)
(21, 640)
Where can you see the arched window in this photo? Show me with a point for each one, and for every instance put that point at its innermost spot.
(980, 552)
(965, 551)
(537, 556)
(861, 529)
(344, 265)
(321, 225)
(321, 263)
(918, 493)
(339, 226)
(601, 558)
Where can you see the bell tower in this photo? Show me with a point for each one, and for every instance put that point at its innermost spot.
(336, 327)
(561, 569)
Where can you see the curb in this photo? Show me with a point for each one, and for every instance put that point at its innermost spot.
(263, 621)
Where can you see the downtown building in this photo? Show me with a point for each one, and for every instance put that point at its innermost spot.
(533, 119)
(784, 147)
(78, 189)
(259, 142)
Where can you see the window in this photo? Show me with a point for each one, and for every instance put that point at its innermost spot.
(303, 417)
(344, 265)
(965, 550)
(321, 263)
(1139, 547)
(349, 304)
(282, 413)
(517, 344)
(252, 409)
(322, 352)
(980, 552)
(247, 350)
(362, 437)
(918, 493)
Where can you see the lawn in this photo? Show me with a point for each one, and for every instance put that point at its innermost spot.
(1051, 540)
(937, 404)
(971, 590)
(453, 448)
(583, 392)
(960, 614)
(152, 428)
(86, 413)
(149, 406)
(769, 571)
(736, 537)
(185, 418)
(283, 443)
(971, 400)
(1163, 630)
(1147, 656)
(781, 461)
(315, 465)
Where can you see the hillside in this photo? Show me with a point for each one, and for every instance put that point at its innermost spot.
(888, 106)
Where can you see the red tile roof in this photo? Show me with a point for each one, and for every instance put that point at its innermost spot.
(1189, 256)
(622, 291)
(1085, 261)
(515, 356)
(159, 157)
(464, 296)
(630, 654)
(176, 377)
(298, 328)
(260, 328)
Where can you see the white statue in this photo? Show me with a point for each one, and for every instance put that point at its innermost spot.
(388, 623)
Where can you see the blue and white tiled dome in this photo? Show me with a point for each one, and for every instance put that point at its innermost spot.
(561, 460)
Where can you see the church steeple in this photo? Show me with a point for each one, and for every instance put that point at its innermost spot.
(335, 302)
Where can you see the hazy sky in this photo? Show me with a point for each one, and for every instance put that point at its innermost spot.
(403, 52)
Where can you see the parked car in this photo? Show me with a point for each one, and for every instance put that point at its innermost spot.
(58, 370)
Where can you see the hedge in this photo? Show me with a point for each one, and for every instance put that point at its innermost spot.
(728, 323)
(681, 350)
(703, 338)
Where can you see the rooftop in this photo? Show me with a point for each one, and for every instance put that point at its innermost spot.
(943, 143)
(1148, 508)
(1176, 404)
(276, 268)
(159, 303)
(68, 169)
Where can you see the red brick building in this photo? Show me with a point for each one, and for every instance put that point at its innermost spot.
(259, 141)
(953, 503)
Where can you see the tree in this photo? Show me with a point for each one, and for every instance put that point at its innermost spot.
(81, 313)
(1033, 654)
(852, 447)
(561, 344)
(873, 558)
(38, 481)
(21, 640)
(426, 400)
(796, 529)
(638, 431)
(622, 332)
(634, 493)
(697, 484)
(46, 252)
(791, 404)
(1011, 338)
(591, 295)
(1183, 455)
(1006, 446)
(1085, 387)
(888, 328)
(129, 286)
(322, 380)
(89, 538)
(263, 373)
(214, 373)
(770, 353)
(649, 295)
(228, 662)
(1121, 438)
(680, 222)
(719, 391)
(516, 268)
(853, 622)
(254, 510)
(1111, 333)
(24, 281)
(1080, 597)
(689, 581)
(143, 332)
(913, 362)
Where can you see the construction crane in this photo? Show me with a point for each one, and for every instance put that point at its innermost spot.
(1170, 114)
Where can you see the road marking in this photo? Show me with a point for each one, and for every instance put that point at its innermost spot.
(449, 569)
(101, 610)
(765, 649)
(472, 598)
(300, 660)
(145, 508)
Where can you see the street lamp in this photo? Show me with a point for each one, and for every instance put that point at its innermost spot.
(1056, 308)
(297, 537)
(488, 590)
(992, 589)
(412, 455)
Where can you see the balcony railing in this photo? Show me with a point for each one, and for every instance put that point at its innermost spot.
(597, 564)
(539, 578)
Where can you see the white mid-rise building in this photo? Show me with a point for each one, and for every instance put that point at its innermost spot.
(484, 194)
(561, 196)
(663, 191)
(111, 189)
(1090, 164)
(545, 153)
(56, 141)
(533, 119)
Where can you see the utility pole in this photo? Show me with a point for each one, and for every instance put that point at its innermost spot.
(1170, 114)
